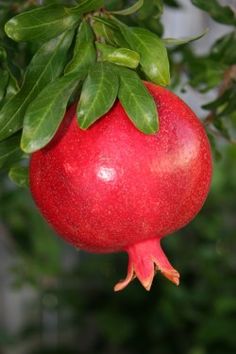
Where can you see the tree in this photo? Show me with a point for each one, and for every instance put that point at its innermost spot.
(55, 52)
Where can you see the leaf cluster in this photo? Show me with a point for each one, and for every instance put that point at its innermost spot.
(92, 52)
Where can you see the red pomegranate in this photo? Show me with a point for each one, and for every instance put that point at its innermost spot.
(112, 188)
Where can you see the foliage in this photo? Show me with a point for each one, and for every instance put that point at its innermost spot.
(50, 55)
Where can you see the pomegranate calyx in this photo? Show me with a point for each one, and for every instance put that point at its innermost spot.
(145, 259)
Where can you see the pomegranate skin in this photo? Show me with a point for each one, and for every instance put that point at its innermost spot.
(111, 187)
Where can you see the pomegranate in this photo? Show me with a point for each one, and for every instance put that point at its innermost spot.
(112, 188)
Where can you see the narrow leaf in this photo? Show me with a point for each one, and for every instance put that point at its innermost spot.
(98, 94)
(130, 10)
(42, 23)
(218, 102)
(230, 107)
(46, 112)
(8, 83)
(84, 52)
(4, 78)
(159, 5)
(149, 10)
(86, 6)
(19, 175)
(220, 125)
(46, 65)
(3, 54)
(12, 88)
(137, 102)
(111, 34)
(119, 56)
(153, 55)
(179, 41)
(106, 21)
(10, 151)
(224, 49)
(222, 14)
(172, 3)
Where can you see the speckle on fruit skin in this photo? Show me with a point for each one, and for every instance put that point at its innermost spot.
(109, 187)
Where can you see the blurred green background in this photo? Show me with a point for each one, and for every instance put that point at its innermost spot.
(55, 299)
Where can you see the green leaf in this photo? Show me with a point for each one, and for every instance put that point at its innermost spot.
(4, 61)
(8, 86)
(219, 124)
(223, 107)
(20, 176)
(137, 102)
(86, 6)
(230, 106)
(10, 151)
(84, 54)
(119, 56)
(224, 49)
(46, 65)
(112, 36)
(111, 5)
(12, 87)
(98, 95)
(153, 55)
(172, 3)
(213, 105)
(160, 6)
(207, 75)
(148, 10)
(4, 75)
(3, 54)
(130, 10)
(108, 22)
(222, 14)
(148, 16)
(46, 112)
(41, 24)
(214, 148)
(219, 101)
(179, 41)
(154, 26)
(8, 83)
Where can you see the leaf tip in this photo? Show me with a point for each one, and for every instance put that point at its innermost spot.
(26, 146)
(165, 80)
(10, 30)
(83, 124)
